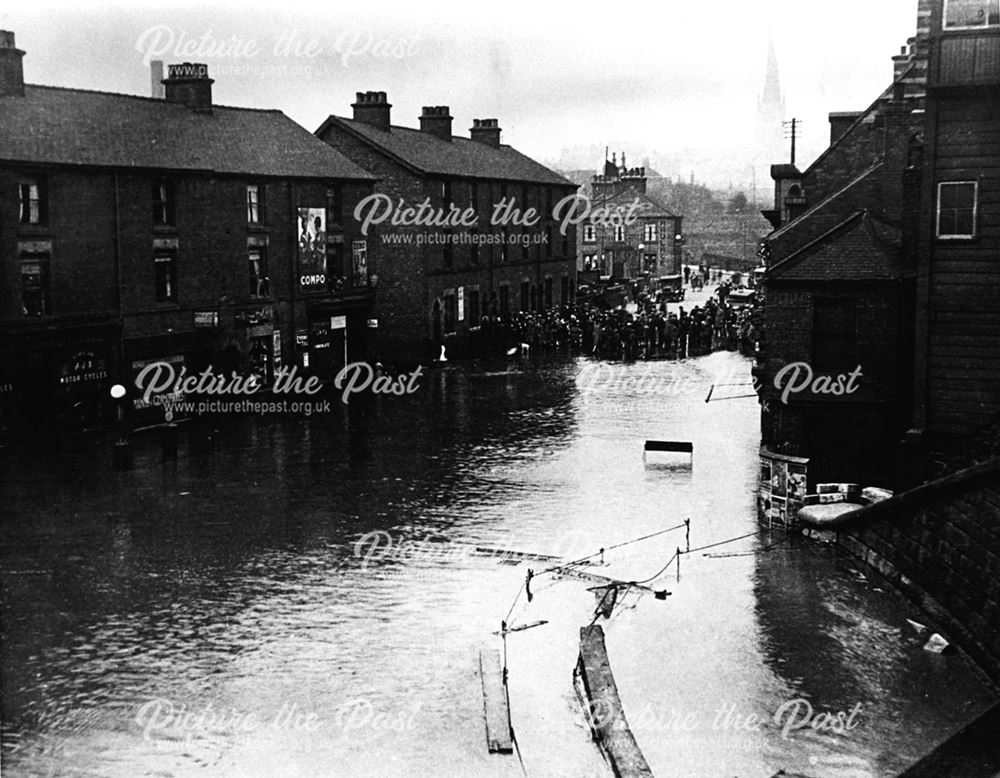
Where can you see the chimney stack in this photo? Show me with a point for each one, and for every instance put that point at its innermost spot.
(156, 79)
(436, 120)
(189, 84)
(11, 68)
(485, 131)
(372, 108)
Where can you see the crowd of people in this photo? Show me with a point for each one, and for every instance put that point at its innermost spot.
(653, 331)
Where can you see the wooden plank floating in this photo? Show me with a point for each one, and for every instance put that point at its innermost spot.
(498, 738)
(607, 719)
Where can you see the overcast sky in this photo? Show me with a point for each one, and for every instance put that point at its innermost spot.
(681, 78)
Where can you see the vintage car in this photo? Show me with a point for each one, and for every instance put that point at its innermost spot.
(672, 288)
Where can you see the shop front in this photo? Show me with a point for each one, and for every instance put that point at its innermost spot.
(58, 380)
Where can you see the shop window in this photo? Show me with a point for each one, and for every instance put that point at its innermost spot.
(259, 281)
(833, 334)
(255, 208)
(35, 286)
(588, 234)
(164, 265)
(164, 204)
(473, 305)
(359, 260)
(31, 208)
(335, 263)
(956, 211)
(650, 233)
(971, 14)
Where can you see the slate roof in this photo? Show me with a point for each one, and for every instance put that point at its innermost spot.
(860, 248)
(55, 125)
(461, 157)
(648, 207)
(827, 206)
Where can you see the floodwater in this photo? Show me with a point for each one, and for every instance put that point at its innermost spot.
(309, 595)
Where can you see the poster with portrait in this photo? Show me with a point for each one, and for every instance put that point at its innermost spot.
(312, 248)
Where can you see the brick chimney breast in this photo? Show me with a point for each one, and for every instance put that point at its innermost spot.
(436, 120)
(188, 83)
(11, 67)
(485, 131)
(373, 108)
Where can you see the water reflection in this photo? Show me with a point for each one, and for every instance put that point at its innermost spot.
(226, 584)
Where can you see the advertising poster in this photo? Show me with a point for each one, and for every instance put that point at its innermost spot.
(312, 249)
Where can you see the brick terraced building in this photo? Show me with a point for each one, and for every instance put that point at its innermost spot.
(436, 292)
(135, 229)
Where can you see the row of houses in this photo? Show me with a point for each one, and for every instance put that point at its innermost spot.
(169, 228)
(884, 265)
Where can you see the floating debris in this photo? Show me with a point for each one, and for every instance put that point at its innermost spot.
(937, 644)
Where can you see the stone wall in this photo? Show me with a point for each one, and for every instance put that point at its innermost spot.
(940, 543)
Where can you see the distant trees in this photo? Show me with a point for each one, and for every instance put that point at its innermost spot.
(737, 203)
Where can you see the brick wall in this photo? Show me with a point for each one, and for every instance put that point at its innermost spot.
(412, 277)
(941, 544)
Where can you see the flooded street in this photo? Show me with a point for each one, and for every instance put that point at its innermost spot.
(309, 596)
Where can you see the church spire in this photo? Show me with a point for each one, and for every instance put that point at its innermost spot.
(771, 96)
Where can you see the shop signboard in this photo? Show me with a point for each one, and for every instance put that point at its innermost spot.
(206, 319)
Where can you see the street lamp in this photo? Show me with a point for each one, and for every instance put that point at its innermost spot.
(122, 457)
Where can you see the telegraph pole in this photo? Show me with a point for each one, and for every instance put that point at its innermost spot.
(791, 131)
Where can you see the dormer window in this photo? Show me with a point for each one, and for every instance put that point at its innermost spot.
(971, 14)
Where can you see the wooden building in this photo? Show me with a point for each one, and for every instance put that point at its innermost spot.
(957, 359)
(884, 260)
